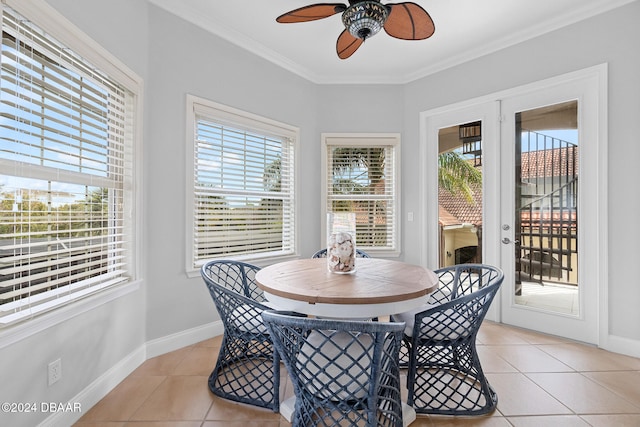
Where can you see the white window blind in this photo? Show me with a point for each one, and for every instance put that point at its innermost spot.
(362, 176)
(243, 187)
(64, 165)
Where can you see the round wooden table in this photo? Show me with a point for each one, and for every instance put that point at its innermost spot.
(378, 287)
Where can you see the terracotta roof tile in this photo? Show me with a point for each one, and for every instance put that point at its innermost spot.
(547, 163)
(457, 206)
(445, 218)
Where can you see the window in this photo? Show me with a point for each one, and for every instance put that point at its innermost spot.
(65, 173)
(361, 174)
(241, 169)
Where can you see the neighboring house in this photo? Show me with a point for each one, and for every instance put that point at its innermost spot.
(460, 227)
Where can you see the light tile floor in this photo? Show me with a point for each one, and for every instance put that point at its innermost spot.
(540, 380)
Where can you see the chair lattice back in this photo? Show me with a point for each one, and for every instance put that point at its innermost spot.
(237, 276)
(344, 373)
(322, 253)
(462, 279)
(247, 369)
(445, 375)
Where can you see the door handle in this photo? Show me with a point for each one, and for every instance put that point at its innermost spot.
(507, 240)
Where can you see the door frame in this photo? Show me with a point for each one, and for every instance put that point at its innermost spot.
(487, 109)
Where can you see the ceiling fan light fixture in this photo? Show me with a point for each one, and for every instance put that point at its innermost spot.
(365, 19)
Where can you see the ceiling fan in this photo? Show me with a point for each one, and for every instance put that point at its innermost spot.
(364, 18)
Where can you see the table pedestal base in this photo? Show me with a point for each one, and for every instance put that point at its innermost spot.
(288, 406)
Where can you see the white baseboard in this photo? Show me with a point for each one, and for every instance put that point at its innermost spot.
(183, 339)
(99, 388)
(622, 345)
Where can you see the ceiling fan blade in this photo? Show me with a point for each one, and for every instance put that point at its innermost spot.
(408, 21)
(347, 44)
(311, 12)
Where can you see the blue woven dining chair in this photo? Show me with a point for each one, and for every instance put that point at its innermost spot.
(445, 375)
(453, 281)
(248, 368)
(322, 253)
(344, 373)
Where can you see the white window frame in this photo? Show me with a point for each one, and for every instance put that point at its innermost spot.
(393, 140)
(232, 117)
(58, 27)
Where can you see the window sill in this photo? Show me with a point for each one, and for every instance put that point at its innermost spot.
(260, 262)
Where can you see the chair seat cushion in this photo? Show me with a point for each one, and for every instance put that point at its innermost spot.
(247, 319)
(409, 317)
(337, 366)
(441, 325)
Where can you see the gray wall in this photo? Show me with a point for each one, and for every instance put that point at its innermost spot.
(188, 60)
(176, 58)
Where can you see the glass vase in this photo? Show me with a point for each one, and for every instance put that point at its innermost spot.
(341, 242)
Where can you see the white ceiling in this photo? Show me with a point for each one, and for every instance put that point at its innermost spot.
(465, 29)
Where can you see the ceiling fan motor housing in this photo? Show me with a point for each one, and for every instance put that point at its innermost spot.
(364, 19)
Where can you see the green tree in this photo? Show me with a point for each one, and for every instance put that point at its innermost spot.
(368, 164)
(456, 174)
(28, 216)
(370, 160)
(272, 178)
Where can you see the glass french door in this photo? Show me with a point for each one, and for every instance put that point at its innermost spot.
(462, 218)
(546, 216)
(542, 200)
(548, 230)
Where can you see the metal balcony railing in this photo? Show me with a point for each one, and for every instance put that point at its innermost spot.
(546, 233)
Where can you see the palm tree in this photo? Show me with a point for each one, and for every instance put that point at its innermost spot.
(368, 159)
(457, 175)
(369, 165)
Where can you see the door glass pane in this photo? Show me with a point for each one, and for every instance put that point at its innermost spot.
(460, 194)
(546, 200)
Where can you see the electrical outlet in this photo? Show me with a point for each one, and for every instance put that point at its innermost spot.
(55, 371)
